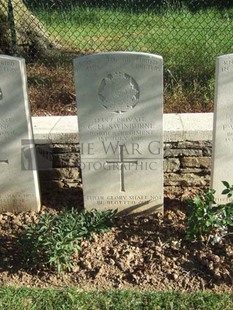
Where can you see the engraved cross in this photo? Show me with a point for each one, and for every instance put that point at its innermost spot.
(121, 162)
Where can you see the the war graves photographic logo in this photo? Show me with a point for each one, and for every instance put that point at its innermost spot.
(118, 92)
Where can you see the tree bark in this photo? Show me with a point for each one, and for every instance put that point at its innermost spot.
(21, 33)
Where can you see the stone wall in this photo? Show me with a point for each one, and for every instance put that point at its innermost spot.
(186, 163)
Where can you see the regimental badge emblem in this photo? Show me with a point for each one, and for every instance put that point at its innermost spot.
(118, 92)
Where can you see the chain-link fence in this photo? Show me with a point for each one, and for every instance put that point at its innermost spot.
(188, 34)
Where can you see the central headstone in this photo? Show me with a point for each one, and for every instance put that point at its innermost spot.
(120, 116)
(222, 159)
(19, 189)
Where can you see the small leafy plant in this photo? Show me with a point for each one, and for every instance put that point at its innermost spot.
(54, 240)
(208, 220)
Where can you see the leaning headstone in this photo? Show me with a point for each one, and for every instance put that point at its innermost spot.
(19, 189)
(120, 117)
(222, 158)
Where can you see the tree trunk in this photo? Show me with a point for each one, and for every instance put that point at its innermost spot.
(21, 33)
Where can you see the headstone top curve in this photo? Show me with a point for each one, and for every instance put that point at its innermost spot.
(120, 53)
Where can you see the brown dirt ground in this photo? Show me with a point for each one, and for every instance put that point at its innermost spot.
(145, 253)
(52, 92)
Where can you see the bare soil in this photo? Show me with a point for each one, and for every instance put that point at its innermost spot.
(51, 89)
(52, 92)
(145, 252)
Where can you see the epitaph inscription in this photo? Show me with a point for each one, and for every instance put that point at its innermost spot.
(222, 159)
(119, 98)
(19, 189)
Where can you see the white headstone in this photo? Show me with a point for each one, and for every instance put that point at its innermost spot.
(19, 190)
(120, 113)
(222, 158)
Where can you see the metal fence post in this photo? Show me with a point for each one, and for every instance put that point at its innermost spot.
(12, 28)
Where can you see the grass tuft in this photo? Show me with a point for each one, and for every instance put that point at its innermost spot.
(48, 299)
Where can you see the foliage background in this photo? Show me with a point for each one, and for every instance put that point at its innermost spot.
(188, 34)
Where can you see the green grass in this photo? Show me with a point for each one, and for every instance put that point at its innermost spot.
(188, 41)
(182, 37)
(46, 299)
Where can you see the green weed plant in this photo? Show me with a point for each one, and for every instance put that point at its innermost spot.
(54, 240)
(207, 220)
